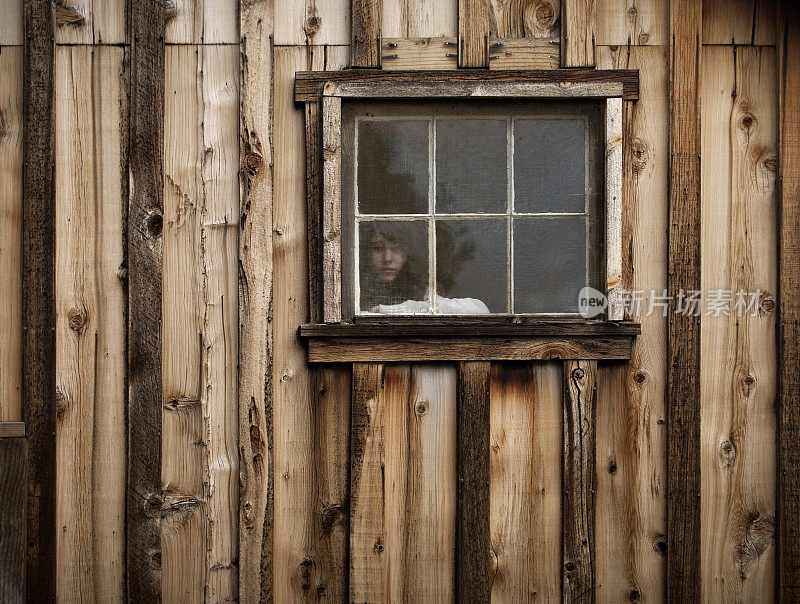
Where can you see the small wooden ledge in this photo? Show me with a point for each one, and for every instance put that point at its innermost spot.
(468, 339)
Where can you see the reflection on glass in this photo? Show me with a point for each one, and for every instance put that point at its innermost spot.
(471, 262)
(549, 165)
(393, 166)
(393, 266)
(549, 264)
(471, 174)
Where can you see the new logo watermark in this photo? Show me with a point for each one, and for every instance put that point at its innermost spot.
(693, 302)
(591, 302)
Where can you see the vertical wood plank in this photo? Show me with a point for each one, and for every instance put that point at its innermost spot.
(473, 581)
(788, 571)
(13, 461)
(739, 22)
(38, 294)
(614, 209)
(11, 26)
(332, 209)
(683, 333)
(578, 483)
(631, 431)
(368, 557)
(90, 21)
(525, 496)
(622, 22)
(312, 22)
(91, 184)
(424, 19)
(314, 186)
(144, 229)
(256, 495)
(474, 27)
(365, 24)
(11, 232)
(578, 23)
(202, 22)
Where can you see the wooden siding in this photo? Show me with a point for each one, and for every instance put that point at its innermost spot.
(218, 341)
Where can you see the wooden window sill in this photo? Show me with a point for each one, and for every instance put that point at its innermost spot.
(468, 339)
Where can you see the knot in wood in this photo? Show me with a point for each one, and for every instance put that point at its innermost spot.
(727, 454)
(640, 154)
(77, 319)
(152, 505)
(578, 373)
(256, 442)
(61, 403)
(421, 408)
(632, 14)
(767, 304)
(312, 25)
(569, 566)
(634, 595)
(644, 38)
(748, 381)
(660, 545)
(747, 121)
(154, 224)
(640, 377)
(612, 466)
(378, 547)
(770, 163)
(544, 15)
(155, 559)
(252, 163)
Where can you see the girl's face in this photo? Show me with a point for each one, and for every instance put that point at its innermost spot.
(386, 258)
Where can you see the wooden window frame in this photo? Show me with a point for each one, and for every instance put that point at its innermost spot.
(331, 340)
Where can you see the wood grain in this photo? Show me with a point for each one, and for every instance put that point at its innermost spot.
(526, 410)
(788, 562)
(739, 21)
(474, 27)
(38, 294)
(578, 24)
(91, 187)
(402, 19)
(144, 240)
(418, 53)
(429, 348)
(578, 482)
(202, 22)
(11, 59)
(309, 84)
(365, 33)
(622, 22)
(332, 209)
(312, 22)
(683, 333)
(524, 53)
(13, 462)
(12, 429)
(314, 184)
(631, 427)
(257, 472)
(614, 209)
(473, 580)
(90, 21)
(11, 28)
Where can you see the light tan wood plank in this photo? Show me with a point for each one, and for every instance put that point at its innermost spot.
(738, 361)
(540, 19)
(419, 53)
(419, 19)
(636, 22)
(12, 24)
(312, 22)
(202, 22)
(11, 233)
(91, 89)
(90, 21)
(183, 433)
(525, 477)
(739, 21)
(631, 430)
(614, 208)
(256, 505)
(219, 73)
(578, 33)
(524, 53)
(332, 209)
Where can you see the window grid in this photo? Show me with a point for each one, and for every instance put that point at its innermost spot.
(432, 214)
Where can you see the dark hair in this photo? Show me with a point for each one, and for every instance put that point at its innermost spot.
(412, 281)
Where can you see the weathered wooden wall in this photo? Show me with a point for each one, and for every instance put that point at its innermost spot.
(238, 394)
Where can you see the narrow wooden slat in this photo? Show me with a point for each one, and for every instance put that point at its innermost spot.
(309, 84)
(614, 209)
(12, 429)
(314, 187)
(38, 294)
(11, 231)
(683, 333)
(524, 53)
(91, 189)
(578, 23)
(257, 471)
(339, 350)
(332, 209)
(578, 483)
(527, 413)
(474, 27)
(473, 580)
(365, 28)
(13, 461)
(631, 431)
(145, 225)
(788, 562)
(368, 559)
(418, 53)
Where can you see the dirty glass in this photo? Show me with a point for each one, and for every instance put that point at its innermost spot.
(471, 165)
(393, 267)
(549, 165)
(393, 159)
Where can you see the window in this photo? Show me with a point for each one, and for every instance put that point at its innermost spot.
(471, 207)
(464, 192)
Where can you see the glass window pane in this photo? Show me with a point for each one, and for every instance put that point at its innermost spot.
(549, 165)
(471, 166)
(393, 266)
(549, 263)
(393, 167)
(471, 261)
